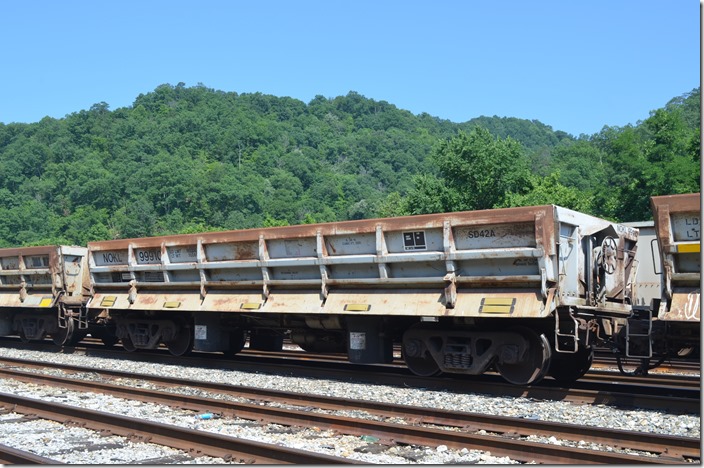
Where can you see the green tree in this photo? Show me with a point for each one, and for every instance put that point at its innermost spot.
(430, 195)
(189, 159)
(477, 172)
(655, 158)
(549, 191)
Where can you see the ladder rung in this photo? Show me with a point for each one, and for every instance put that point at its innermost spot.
(559, 334)
(647, 336)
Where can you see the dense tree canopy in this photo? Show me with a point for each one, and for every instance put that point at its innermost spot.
(189, 159)
(477, 172)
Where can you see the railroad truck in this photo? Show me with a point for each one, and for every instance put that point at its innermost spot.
(43, 292)
(522, 291)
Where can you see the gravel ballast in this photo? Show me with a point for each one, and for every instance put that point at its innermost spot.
(96, 449)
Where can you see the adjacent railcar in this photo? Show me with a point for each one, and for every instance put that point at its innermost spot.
(678, 226)
(43, 292)
(519, 290)
(666, 319)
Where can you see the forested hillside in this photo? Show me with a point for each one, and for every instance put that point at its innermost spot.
(189, 159)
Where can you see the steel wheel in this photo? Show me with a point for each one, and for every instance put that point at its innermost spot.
(76, 337)
(23, 336)
(128, 344)
(533, 365)
(106, 335)
(63, 335)
(238, 338)
(182, 344)
(109, 340)
(418, 359)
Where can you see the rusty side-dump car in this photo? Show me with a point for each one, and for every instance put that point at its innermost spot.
(523, 290)
(665, 322)
(43, 291)
(678, 227)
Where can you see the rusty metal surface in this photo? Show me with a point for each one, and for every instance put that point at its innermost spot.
(664, 205)
(160, 301)
(225, 301)
(678, 228)
(37, 299)
(414, 265)
(684, 307)
(411, 302)
(507, 303)
(308, 302)
(10, 455)
(30, 276)
(37, 276)
(74, 268)
(110, 300)
(507, 215)
(649, 274)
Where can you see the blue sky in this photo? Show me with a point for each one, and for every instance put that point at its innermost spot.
(575, 66)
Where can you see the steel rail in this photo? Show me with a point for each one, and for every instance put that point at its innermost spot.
(657, 443)
(671, 380)
(613, 393)
(687, 400)
(668, 366)
(189, 440)
(671, 448)
(596, 374)
(10, 455)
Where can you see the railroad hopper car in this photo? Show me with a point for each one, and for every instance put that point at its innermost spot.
(43, 291)
(519, 290)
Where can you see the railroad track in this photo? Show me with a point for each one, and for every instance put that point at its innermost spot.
(603, 369)
(188, 440)
(603, 362)
(671, 393)
(422, 429)
(674, 366)
(14, 456)
(673, 380)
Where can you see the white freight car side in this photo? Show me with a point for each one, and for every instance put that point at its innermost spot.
(43, 291)
(460, 291)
